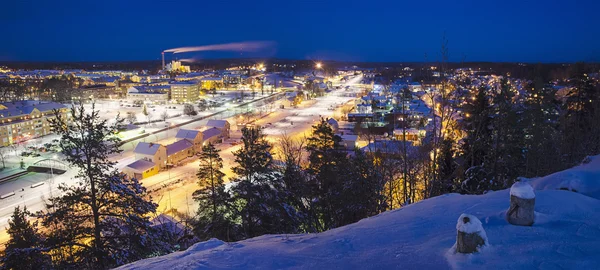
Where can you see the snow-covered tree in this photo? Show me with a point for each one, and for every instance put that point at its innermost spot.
(131, 118)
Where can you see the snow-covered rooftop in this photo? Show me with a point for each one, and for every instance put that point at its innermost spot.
(211, 132)
(141, 165)
(146, 148)
(178, 146)
(189, 134)
(217, 123)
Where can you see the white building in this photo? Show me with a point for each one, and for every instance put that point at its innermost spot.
(134, 94)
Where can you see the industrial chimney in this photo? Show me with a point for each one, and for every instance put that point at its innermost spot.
(163, 60)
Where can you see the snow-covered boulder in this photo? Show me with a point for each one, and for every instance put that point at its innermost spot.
(584, 179)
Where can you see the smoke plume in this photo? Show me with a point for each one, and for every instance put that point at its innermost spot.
(248, 46)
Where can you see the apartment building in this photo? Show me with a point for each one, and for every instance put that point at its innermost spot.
(24, 120)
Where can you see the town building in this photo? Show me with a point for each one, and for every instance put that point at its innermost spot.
(185, 91)
(140, 169)
(222, 125)
(151, 152)
(178, 151)
(193, 136)
(24, 120)
(349, 141)
(141, 94)
(176, 66)
(211, 135)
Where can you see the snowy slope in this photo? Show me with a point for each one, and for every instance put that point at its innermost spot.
(566, 235)
(584, 178)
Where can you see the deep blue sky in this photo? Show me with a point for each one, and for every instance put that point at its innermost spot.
(508, 31)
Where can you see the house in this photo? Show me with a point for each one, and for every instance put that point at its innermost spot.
(222, 125)
(193, 136)
(178, 151)
(411, 134)
(141, 169)
(349, 141)
(211, 135)
(151, 152)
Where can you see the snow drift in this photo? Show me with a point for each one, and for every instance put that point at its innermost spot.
(566, 235)
(584, 179)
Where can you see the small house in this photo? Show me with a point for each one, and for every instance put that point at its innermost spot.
(222, 125)
(193, 136)
(349, 141)
(140, 169)
(211, 135)
(151, 152)
(178, 151)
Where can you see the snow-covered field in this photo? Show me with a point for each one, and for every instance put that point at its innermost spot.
(565, 235)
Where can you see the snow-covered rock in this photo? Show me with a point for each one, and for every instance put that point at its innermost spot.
(584, 179)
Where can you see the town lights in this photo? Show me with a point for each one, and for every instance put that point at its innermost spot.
(318, 65)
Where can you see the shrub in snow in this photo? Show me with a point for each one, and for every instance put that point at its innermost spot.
(470, 234)
(522, 204)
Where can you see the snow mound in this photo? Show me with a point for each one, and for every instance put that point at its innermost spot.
(565, 236)
(468, 224)
(522, 190)
(584, 179)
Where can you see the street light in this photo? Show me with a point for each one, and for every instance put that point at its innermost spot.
(318, 65)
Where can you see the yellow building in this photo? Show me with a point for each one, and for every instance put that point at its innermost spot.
(211, 83)
(140, 169)
(185, 91)
(24, 120)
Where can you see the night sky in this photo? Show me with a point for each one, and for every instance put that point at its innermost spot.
(382, 31)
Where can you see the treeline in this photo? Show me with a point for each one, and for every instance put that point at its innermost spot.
(532, 129)
(57, 88)
(332, 190)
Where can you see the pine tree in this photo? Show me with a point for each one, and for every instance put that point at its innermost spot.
(102, 220)
(447, 169)
(24, 249)
(507, 160)
(362, 192)
(476, 125)
(213, 219)
(254, 157)
(580, 119)
(257, 195)
(541, 130)
(477, 143)
(329, 168)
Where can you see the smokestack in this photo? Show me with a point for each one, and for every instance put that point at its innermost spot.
(163, 60)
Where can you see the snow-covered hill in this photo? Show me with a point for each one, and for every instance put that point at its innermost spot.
(566, 235)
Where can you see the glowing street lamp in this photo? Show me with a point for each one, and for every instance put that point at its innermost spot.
(319, 65)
